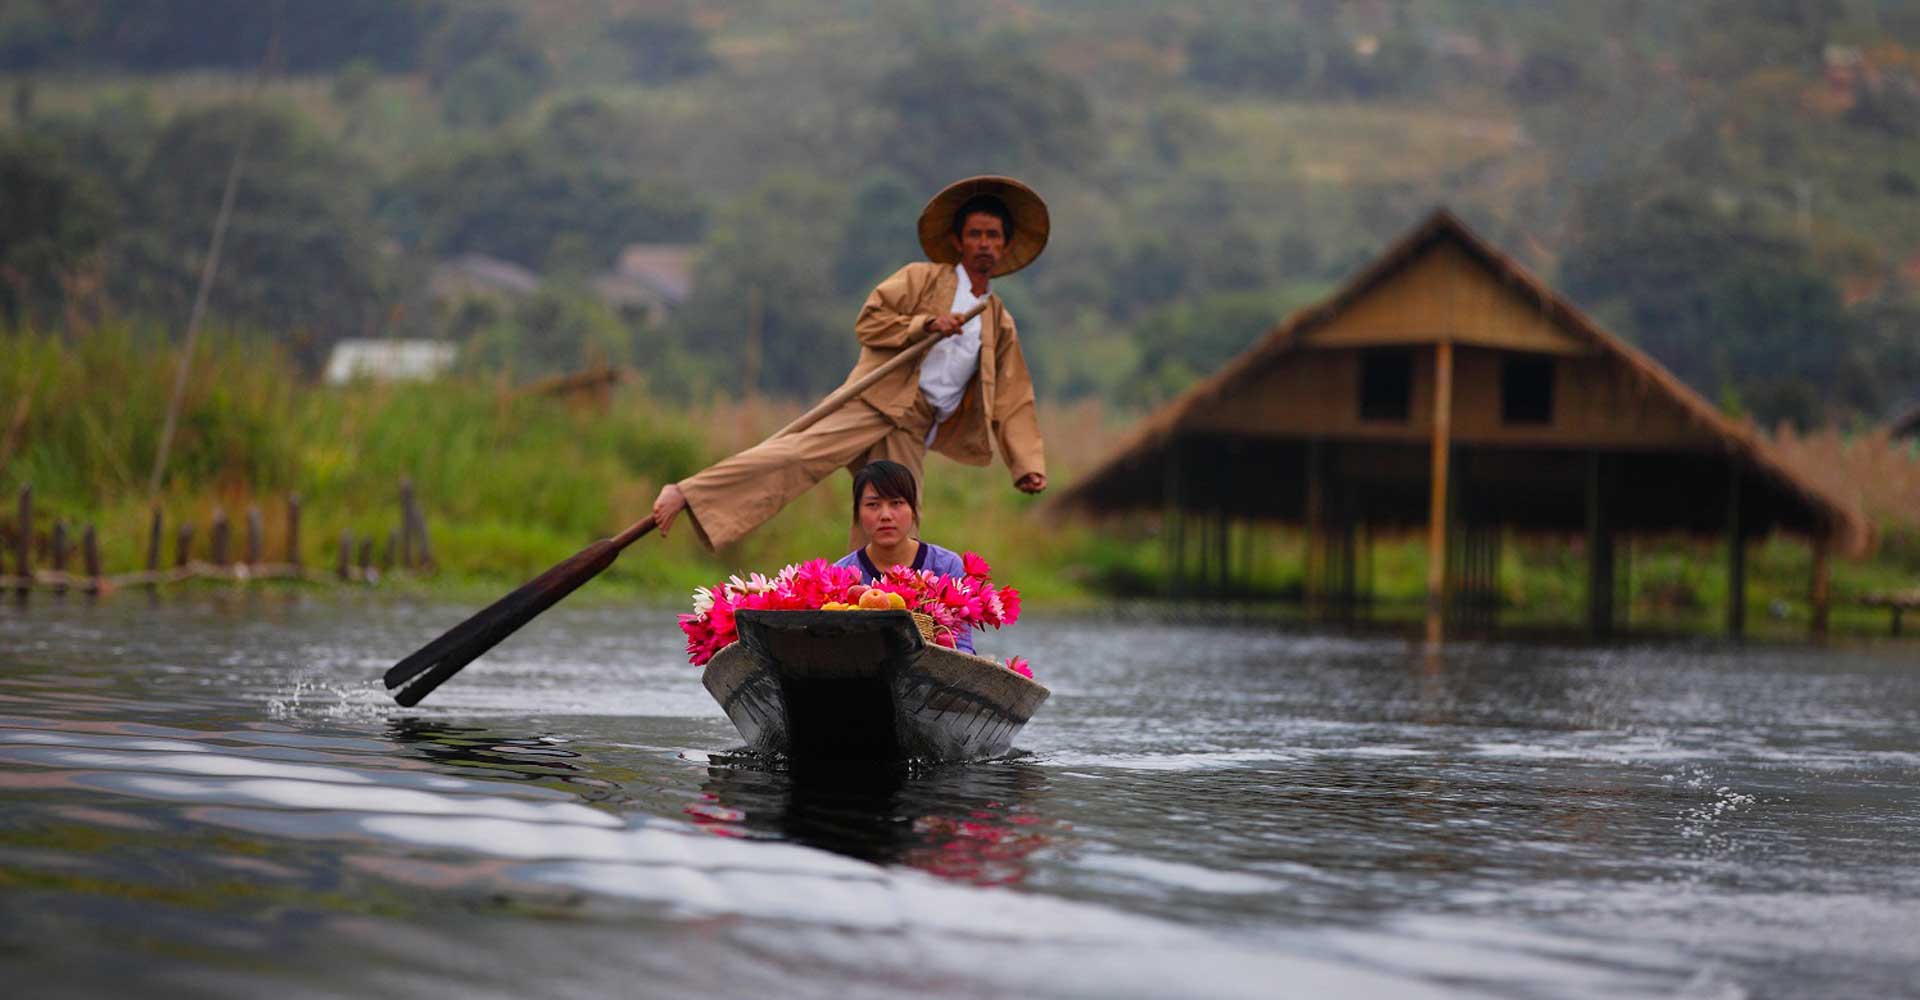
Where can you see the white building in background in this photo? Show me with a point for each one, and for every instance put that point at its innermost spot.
(388, 360)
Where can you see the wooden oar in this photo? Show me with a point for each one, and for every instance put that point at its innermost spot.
(417, 675)
(430, 665)
(846, 392)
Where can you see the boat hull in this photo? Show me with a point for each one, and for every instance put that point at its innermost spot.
(864, 685)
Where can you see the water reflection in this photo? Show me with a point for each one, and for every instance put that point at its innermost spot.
(487, 753)
(973, 823)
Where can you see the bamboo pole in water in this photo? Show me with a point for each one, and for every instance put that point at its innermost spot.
(1437, 501)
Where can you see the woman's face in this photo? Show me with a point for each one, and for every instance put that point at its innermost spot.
(884, 520)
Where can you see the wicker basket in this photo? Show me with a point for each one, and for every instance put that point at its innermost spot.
(930, 630)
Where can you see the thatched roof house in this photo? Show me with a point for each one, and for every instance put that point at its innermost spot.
(1445, 385)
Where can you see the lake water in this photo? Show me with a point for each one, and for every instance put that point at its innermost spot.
(218, 799)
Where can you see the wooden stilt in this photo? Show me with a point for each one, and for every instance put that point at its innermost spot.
(1623, 606)
(1822, 581)
(1175, 492)
(1599, 550)
(1314, 558)
(1437, 498)
(253, 536)
(1222, 553)
(1736, 557)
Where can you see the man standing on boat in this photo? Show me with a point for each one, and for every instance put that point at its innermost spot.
(966, 394)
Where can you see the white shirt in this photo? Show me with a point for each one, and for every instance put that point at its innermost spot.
(950, 364)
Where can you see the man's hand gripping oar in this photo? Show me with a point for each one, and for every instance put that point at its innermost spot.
(671, 501)
(415, 677)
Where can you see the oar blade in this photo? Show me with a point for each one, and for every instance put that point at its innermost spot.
(418, 674)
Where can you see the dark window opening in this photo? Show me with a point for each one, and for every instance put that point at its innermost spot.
(1526, 391)
(1386, 385)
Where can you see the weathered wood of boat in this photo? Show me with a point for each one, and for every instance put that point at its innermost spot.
(864, 685)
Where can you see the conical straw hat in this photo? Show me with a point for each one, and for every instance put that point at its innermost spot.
(1030, 222)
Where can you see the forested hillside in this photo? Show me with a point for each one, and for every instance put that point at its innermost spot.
(1734, 184)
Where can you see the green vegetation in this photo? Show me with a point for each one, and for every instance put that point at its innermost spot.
(1734, 185)
(513, 482)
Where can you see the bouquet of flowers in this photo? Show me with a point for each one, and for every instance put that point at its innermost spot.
(968, 601)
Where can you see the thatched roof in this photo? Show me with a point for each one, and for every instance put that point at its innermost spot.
(1147, 445)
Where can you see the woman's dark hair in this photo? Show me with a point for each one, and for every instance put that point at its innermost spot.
(984, 204)
(890, 481)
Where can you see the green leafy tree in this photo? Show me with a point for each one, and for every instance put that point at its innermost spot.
(1250, 56)
(166, 36)
(484, 67)
(954, 110)
(661, 49)
(300, 255)
(871, 245)
(762, 251)
(56, 220)
(1722, 301)
(1189, 340)
(1728, 39)
(513, 199)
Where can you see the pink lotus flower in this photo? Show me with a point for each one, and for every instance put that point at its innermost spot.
(1019, 665)
(967, 602)
(1010, 598)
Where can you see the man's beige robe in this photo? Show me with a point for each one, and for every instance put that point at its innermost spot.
(890, 419)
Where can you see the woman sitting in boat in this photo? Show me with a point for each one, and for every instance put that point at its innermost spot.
(886, 512)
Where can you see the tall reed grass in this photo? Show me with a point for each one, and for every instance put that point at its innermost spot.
(512, 482)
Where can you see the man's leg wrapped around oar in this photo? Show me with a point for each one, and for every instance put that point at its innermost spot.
(736, 495)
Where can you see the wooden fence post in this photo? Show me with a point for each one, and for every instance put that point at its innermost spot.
(90, 547)
(60, 555)
(219, 537)
(23, 543)
(153, 544)
(293, 532)
(183, 546)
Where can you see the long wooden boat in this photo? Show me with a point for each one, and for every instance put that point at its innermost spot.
(864, 686)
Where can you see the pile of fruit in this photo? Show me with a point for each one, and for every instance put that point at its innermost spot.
(865, 598)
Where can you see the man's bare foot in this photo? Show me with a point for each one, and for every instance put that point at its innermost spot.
(668, 506)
